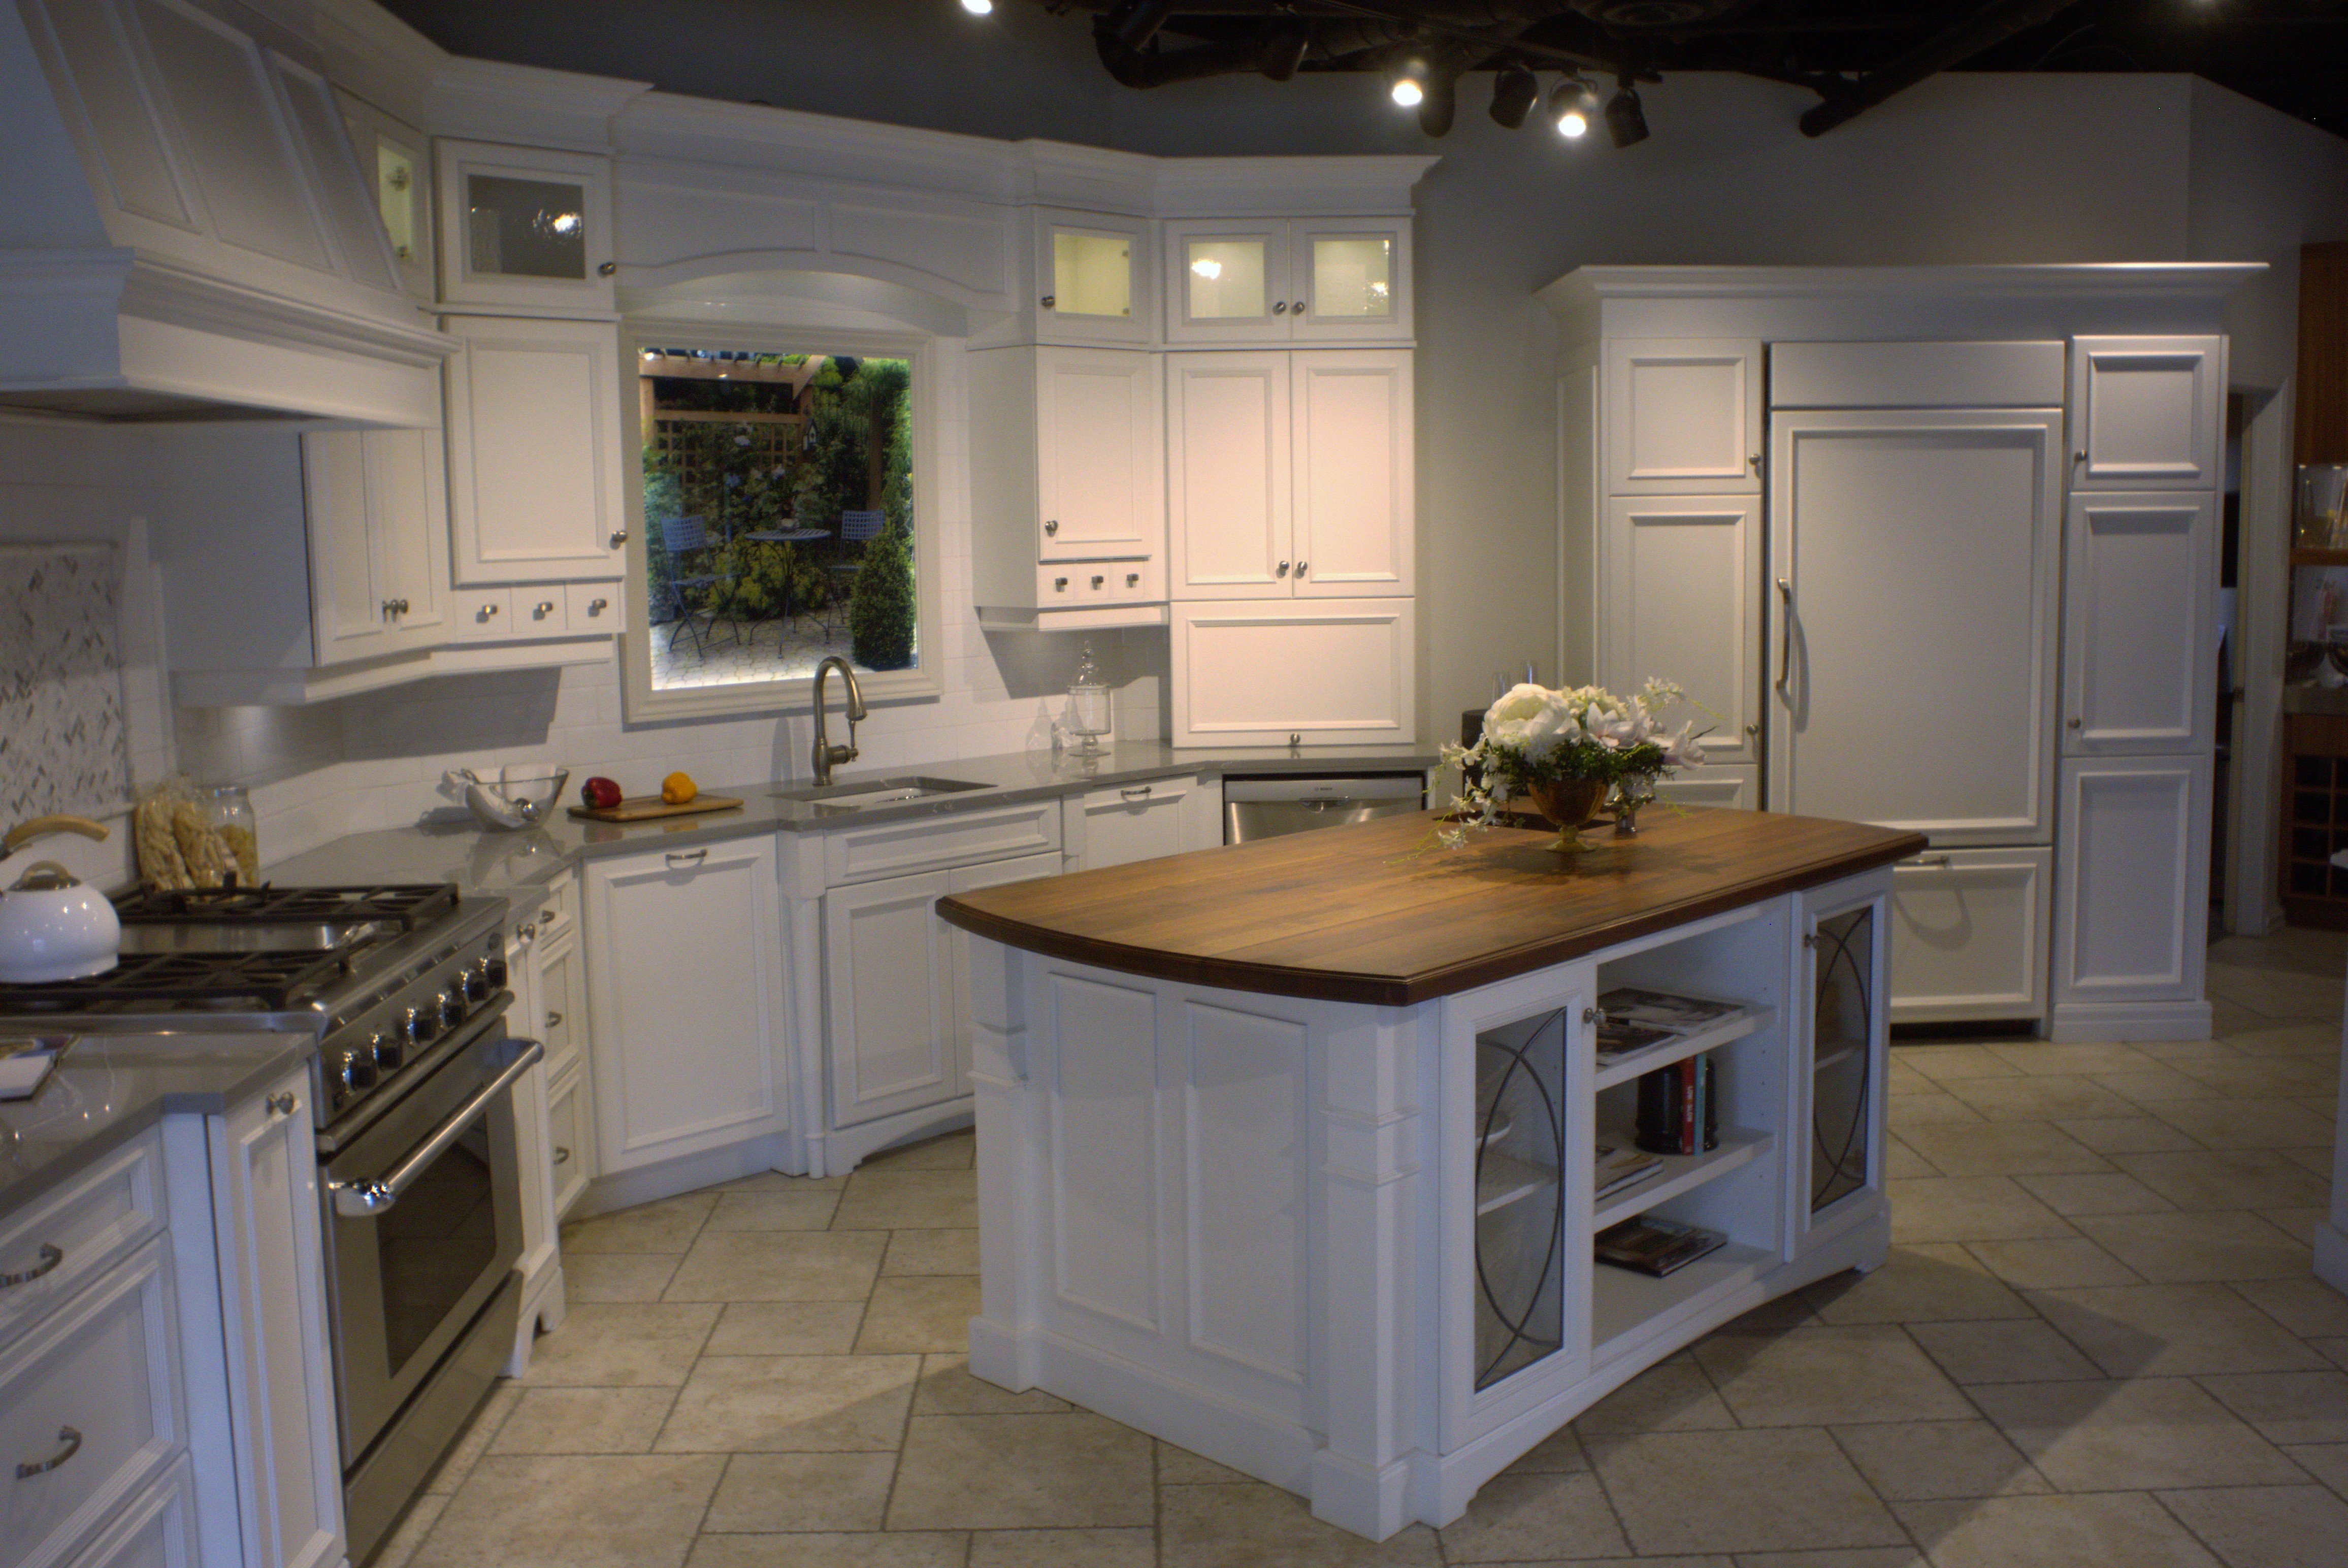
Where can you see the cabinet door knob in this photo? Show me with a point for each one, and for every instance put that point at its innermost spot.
(1059, 584)
(1300, 568)
(403, 606)
(2080, 456)
(1097, 582)
(597, 607)
(1594, 1017)
(546, 916)
(1052, 526)
(606, 269)
(561, 1155)
(529, 932)
(1281, 571)
(619, 537)
(390, 608)
(1280, 308)
(487, 611)
(281, 1104)
(546, 607)
(72, 1441)
(2074, 723)
(1754, 458)
(1133, 579)
(554, 1020)
(1048, 302)
(51, 1256)
(1298, 308)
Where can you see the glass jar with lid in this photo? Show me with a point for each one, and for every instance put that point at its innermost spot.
(227, 810)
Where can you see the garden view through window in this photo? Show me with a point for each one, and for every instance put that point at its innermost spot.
(779, 513)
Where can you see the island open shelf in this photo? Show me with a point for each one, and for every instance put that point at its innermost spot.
(1287, 1151)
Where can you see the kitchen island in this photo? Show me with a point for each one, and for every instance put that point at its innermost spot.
(1286, 1150)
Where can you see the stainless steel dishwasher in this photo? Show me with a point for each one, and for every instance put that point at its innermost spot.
(1265, 806)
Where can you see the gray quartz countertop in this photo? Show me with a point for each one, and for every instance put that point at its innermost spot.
(482, 862)
(108, 1089)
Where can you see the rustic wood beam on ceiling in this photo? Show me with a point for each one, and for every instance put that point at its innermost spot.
(1952, 46)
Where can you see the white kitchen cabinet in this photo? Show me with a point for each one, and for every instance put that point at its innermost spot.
(1278, 280)
(280, 1387)
(570, 1138)
(1683, 416)
(1290, 474)
(397, 159)
(2146, 412)
(158, 1530)
(685, 977)
(2139, 622)
(1679, 604)
(1098, 483)
(1093, 278)
(2132, 886)
(534, 450)
(1738, 787)
(1969, 935)
(889, 999)
(1327, 673)
(524, 229)
(378, 531)
(1121, 823)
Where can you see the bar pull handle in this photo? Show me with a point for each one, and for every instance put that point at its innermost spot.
(1138, 792)
(1785, 642)
(51, 1256)
(679, 859)
(1939, 863)
(66, 1435)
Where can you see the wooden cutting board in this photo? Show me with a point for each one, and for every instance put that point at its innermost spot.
(646, 808)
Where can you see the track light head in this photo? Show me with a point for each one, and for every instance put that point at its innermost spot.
(1136, 22)
(1284, 51)
(1439, 105)
(1409, 85)
(1626, 121)
(1514, 92)
(1572, 106)
(978, 7)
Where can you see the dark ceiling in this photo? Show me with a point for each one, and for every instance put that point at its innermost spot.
(2290, 54)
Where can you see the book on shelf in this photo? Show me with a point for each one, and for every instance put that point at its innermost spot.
(1650, 1246)
(1633, 1017)
(1678, 1111)
(1620, 1168)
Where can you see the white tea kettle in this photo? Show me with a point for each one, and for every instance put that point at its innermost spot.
(52, 926)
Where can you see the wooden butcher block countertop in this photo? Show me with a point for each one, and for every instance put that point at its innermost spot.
(1377, 913)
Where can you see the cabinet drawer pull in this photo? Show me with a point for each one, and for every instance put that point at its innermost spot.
(1133, 579)
(545, 607)
(546, 917)
(1940, 862)
(51, 1256)
(606, 269)
(554, 1020)
(66, 1435)
(561, 1155)
(619, 537)
(686, 858)
(1097, 582)
(597, 607)
(1138, 792)
(1059, 584)
(281, 1104)
(529, 932)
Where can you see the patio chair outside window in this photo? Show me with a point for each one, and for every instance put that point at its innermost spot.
(689, 589)
(858, 528)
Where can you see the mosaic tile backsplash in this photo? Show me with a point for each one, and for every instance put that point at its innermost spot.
(63, 743)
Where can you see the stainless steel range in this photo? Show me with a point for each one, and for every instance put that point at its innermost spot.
(404, 989)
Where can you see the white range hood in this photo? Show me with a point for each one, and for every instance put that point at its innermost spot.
(185, 230)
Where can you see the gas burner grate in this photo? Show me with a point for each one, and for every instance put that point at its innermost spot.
(272, 982)
(410, 904)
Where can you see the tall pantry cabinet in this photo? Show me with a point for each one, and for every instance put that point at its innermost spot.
(1935, 547)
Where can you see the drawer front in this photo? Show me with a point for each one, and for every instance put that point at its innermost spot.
(542, 611)
(558, 907)
(93, 1394)
(593, 608)
(889, 849)
(481, 614)
(157, 1530)
(1969, 935)
(570, 1140)
(1083, 583)
(58, 1245)
(557, 991)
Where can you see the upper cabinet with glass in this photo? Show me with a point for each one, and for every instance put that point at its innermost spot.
(523, 229)
(1322, 280)
(397, 163)
(1094, 277)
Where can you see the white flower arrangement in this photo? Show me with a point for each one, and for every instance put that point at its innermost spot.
(1534, 735)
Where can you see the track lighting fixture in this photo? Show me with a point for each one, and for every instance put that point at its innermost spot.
(1514, 92)
(1441, 102)
(978, 7)
(1626, 121)
(1409, 86)
(1572, 106)
(1283, 53)
(1137, 22)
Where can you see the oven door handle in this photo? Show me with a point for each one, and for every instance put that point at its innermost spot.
(365, 1199)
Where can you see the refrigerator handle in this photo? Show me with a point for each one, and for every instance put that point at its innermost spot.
(1786, 641)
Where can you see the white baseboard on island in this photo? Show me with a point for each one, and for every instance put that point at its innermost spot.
(2118, 1023)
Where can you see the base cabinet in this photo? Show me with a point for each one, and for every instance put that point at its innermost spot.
(2131, 891)
(1118, 824)
(1970, 933)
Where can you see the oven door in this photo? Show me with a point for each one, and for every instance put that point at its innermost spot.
(424, 1221)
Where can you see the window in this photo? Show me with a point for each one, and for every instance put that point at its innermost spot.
(781, 519)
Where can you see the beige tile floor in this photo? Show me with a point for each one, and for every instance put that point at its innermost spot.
(2096, 1343)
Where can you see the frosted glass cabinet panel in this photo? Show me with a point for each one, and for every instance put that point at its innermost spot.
(525, 228)
(1353, 276)
(1228, 281)
(1094, 280)
(1303, 281)
(1519, 1131)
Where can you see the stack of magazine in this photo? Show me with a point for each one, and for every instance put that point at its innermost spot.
(1632, 1018)
(1621, 1168)
(1655, 1246)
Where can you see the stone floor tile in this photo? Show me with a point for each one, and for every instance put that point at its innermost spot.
(775, 1182)
(2125, 1134)
(1904, 1460)
(919, 1312)
(1064, 1549)
(623, 1344)
(1525, 1517)
(1899, 1160)
(584, 1422)
(2173, 1331)
(1022, 1472)
(616, 1276)
(2003, 1149)
(667, 1226)
(2156, 1083)
(2035, 1098)
(908, 1201)
(2333, 1350)
(2327, 1462)
(2279, 1077)
(927, 1548)
(778, 1265)
(2230, 1179)
(2202, 1245)
(2131, 1435)
(2121, 1528)
(603, 1510)
(1813, 1376)
(2314, 1158)
(2024, 1351)
(2266, 1527)
(2050, 1059)
(2308, 1307)
(399, 1548)
(480, 1429)
(773, 1211)
(1179, 1467)
(2320, 1041)
(1255, 1526)
(2287, 1407)
(1968, 1209)
(2105, 1193)
(1904, 1113)
(770, 1492)
(1921, 1282)
(1844, 1557)
(2248, 1123)
(948, 1151)
(1779, 1490)
(948, 1389)
(1898, 1078)
(2056, 1264)
(1561, 1450)
(787, 1329)
(2298, 1224)
(952, 1251)
(1670, 1396)
(1948, 1064)
(791, 1404)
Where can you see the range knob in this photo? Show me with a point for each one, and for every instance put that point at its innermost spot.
(494, 967)
(383, 1052)
(476, 983)
(357, 1072)
(417, 1025)
(452, 1007)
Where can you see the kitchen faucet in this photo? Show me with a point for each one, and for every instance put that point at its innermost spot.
(827, 755)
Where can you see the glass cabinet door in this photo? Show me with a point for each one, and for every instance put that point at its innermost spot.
(524, 227)
(1519, 1133)
(1844, 1010)
(1355, 279)
(1226, 284)
(394, 159)
(1092, 279)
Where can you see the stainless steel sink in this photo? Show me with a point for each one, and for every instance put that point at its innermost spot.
(865, 793)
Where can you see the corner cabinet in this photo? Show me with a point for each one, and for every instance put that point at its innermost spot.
(524, 229)
(535, 439)
(1092, 278)
(687, 1001)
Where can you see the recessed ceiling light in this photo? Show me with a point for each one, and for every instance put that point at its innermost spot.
(978, 7)
(1409, 88)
